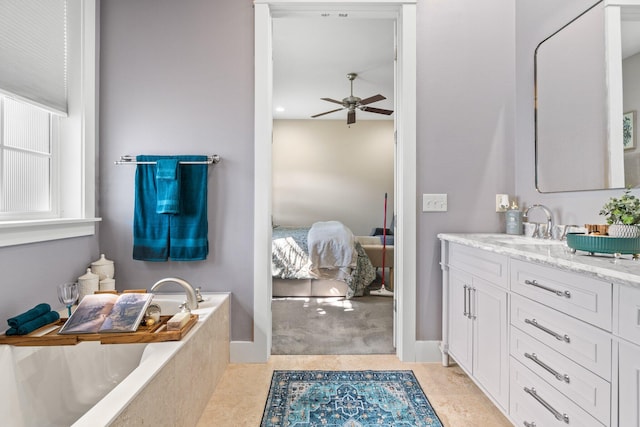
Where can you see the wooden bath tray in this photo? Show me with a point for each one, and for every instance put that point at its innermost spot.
(46, 336)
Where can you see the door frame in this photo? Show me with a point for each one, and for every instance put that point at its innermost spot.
(404, 12)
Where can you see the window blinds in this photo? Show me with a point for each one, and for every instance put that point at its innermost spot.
(33, 52)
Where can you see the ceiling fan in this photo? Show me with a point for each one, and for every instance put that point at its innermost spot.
(352, 102)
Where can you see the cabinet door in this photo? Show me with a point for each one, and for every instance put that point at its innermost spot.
(459, 324)
(490, 340)
(629, 385)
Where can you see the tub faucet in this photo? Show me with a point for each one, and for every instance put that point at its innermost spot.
(192, 300)
(547, 232)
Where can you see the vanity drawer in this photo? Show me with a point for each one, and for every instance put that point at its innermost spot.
(580, 342)
(536, 403)
(485, 265)
(629, 313)
(577, 295)
(582, 386)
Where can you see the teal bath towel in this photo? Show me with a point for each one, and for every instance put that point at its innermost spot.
(34, 324)
(29, 315)
(183, 236)
(168, 185)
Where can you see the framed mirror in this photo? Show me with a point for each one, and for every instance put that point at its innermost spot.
(586, 110)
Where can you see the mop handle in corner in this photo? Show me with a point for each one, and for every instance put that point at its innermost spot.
(384, 237)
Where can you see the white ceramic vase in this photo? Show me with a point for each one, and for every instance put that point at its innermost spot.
(88, 284)
(103, 267)
(624, 230)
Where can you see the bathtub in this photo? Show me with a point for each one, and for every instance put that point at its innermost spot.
(91, 384)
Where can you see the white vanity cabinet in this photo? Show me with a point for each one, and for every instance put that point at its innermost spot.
(628, 329)
(571, 323)
(628, 385)
(478, 318)
(560, 360)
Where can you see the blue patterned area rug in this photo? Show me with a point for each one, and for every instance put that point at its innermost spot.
(347, 399)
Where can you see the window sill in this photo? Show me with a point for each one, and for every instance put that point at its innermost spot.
(22, 232)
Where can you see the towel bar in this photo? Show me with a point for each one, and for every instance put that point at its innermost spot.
(131, 160)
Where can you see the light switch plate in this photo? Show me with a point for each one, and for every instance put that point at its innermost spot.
(434, 203)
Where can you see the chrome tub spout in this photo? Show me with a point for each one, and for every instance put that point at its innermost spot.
(192, 300)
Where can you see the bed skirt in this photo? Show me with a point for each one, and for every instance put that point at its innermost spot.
(309, 288)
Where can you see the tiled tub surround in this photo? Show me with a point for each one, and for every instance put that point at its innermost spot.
(553, 338)
(166, 383)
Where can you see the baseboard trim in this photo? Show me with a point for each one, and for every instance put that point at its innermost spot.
(428, 351)
(248, 352)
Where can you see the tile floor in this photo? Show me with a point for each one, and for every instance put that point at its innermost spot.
(240, 396)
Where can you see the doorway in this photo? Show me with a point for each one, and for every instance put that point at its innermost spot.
(405, 182)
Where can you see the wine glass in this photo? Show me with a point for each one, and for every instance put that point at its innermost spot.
(68, 294)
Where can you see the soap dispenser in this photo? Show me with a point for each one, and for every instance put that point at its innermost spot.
(514, 219)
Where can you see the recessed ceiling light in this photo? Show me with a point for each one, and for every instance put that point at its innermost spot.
(280, 109)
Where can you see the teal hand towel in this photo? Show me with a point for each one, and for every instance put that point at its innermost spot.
(34, 324)
(29, 315)
(168, 185)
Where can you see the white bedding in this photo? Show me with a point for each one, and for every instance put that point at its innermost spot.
(332, 249)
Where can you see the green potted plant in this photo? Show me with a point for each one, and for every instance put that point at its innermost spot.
(623, 215)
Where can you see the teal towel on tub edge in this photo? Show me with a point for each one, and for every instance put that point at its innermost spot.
(34, 324)
(27, 316)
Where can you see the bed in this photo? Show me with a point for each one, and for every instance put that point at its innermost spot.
(322, 260)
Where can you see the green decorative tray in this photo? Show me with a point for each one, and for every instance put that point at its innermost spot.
(603, 244)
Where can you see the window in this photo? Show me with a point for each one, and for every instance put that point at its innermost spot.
(27, 162)
(47, 144)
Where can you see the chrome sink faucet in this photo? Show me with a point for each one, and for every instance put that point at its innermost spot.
(192, 299)
(547, 233)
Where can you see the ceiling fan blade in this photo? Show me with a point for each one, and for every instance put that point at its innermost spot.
(377, 110)
(326, 112)
(351, 117)
(332, 100)
(371, 99)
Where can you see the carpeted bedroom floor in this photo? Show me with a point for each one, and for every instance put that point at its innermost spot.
(315, 326)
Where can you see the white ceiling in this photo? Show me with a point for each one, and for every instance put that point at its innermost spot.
(313, 55)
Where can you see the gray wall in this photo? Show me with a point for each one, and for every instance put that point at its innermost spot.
(31, 273)
(465, 130)
(177, 77)
(535, 20)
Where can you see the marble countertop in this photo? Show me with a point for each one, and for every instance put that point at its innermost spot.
(554, 253)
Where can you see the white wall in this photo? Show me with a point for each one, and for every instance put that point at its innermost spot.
(325, 170)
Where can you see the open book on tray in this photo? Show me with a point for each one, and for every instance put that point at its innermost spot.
(100, 313)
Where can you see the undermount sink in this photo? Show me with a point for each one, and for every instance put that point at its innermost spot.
(521, 240)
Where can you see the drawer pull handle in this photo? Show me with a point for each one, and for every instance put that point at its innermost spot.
(557, 336)
(548, 368)
(465, 313)
(560, 417)
(531, 424)
(472, 310)
(546, 288)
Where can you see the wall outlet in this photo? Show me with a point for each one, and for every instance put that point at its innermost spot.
(502, 202)
(434, 203)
